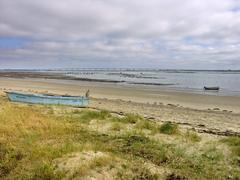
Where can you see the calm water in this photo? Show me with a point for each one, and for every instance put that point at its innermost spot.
(228, 81)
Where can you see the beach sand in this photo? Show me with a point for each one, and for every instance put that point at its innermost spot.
(206, 113)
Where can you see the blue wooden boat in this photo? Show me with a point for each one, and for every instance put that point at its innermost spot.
(47, 99)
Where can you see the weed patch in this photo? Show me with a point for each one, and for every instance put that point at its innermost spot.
(145, 124)
(192, 136)
(9, 159)
(48, 172)
(116, 126)
(234, 143)
(131, 118)
(169, 128)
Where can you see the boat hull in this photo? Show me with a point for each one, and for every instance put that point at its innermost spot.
(211, 88)
(48, 99)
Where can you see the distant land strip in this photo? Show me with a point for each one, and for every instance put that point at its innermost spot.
(47, 75)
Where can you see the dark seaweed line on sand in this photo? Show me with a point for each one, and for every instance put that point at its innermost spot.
(94, 80)
(156, 84)
(198, 128)
(133, 76)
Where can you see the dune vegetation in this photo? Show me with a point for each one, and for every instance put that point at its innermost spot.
(59, 142)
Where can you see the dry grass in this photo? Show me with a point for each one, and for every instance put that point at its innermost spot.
(192, 136)
(45, 142)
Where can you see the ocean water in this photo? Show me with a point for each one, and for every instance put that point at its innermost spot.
(182, 80)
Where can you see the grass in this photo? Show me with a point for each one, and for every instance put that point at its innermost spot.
(48, 172)
(140, 172)
(131, 118)
(141, 146)
(145, 124)
(173, 156)
(86, 116)
(192, 136)
(9, 159)
(234, 143)
(33, 138)
(116, 126)
(94, 163)
(169, 128)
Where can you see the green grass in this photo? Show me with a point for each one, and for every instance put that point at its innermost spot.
(33, 138)
(234, 143)
(169, 128)
(9, 158)
(48, 172)
(131, 118)
(145, 124)
(208, 163)
(140, 172)
(85, 116)
(192, 136)
(141, 146)
(116, 126)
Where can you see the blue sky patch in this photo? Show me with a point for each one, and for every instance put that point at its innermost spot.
(12, 42)
(236, 9)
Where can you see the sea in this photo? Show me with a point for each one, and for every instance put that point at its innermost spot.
(178, 80)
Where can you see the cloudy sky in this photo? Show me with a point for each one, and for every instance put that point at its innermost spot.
(189, 34)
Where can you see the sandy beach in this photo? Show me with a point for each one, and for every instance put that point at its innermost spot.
(206, 113)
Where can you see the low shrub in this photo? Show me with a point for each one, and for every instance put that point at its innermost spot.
(169, 128)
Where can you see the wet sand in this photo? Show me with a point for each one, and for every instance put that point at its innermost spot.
(135, 93)
(216, 113)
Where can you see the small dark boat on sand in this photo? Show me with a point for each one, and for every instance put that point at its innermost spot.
(211, 88)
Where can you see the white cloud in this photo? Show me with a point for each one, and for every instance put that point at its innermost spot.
(150, 33)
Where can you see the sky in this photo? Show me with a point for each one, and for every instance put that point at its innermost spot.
(172, 34)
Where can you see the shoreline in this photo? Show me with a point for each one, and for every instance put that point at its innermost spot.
(205, 113)
(136, 93)
(32, 75)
